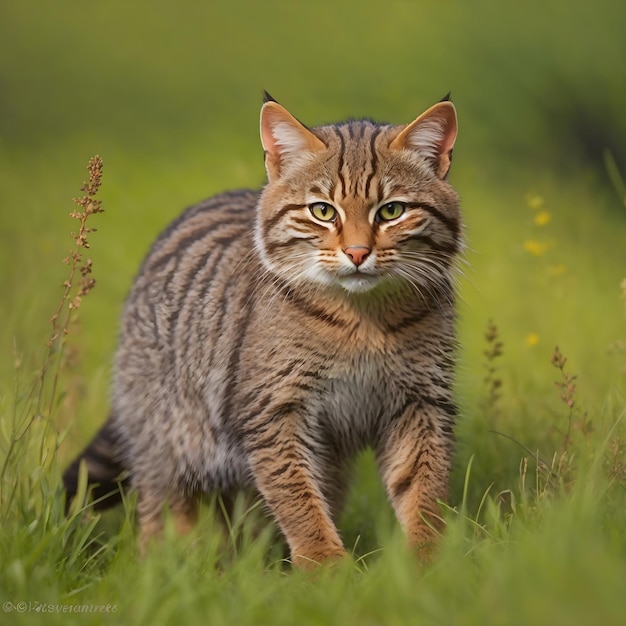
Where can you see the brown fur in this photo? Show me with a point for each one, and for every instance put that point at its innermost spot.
(262, 347)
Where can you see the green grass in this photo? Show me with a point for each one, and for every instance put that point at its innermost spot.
(169, 96)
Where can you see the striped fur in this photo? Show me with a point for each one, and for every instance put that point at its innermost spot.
(262, 346)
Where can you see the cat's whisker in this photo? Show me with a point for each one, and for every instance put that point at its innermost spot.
(410, 279)
(434, 283)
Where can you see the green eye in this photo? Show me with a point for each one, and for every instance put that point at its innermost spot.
(323, 211)
(390, 211)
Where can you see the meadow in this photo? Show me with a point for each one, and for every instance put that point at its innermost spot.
(168, 96)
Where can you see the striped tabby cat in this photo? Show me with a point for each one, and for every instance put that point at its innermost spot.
(269, 336)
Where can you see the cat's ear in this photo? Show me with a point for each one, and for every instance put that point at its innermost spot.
(284, 138)
(432, 134)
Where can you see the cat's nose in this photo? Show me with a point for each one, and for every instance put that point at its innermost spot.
(357, 254)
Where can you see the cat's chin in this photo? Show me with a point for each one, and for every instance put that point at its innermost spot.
(359, 283)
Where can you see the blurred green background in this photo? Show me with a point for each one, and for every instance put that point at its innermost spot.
(169, 95)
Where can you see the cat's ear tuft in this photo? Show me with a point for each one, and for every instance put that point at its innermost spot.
(284, 138)
(432, 135)
(267, 97)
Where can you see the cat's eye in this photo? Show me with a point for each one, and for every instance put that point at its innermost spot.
(390, 211)
(323, 211)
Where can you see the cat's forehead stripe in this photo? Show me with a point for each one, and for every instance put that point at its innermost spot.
(342, 150)
(357, 158)
(373, 161)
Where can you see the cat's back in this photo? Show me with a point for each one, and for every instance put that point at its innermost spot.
(186, 277)
(210, 226)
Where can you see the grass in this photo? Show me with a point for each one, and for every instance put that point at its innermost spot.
(169, 97)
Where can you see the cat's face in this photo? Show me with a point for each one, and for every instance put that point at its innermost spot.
(359, 205)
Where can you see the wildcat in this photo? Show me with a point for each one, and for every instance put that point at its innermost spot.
(269, 336)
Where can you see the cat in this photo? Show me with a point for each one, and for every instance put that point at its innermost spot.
(271, 335)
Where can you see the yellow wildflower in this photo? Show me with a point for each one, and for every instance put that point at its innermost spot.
(536, 248)
(542, 218)
(532, 339)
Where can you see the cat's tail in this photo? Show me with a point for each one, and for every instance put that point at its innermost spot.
(106, 474)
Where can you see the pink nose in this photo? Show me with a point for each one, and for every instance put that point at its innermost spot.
(357, 254)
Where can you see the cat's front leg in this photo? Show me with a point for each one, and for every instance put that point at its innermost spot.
(284, 463)
(414, 458)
